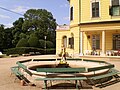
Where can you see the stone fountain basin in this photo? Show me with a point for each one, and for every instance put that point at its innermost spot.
(72, 64)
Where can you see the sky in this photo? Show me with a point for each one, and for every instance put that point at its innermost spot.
(59, 9)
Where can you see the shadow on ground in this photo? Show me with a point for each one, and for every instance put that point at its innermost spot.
(108, 84)
(68, 86)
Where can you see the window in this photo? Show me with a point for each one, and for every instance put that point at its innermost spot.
(115, 2)
(95, 41)
(95, 8)
(115, 8)
(116, 41)
(65, 41)
(71, 13)
(71, 43)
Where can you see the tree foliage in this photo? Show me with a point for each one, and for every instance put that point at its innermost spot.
(35, 24)
(5, 38)
(39, 20)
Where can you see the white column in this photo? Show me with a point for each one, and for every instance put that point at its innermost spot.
(103, 43)
(81, 43)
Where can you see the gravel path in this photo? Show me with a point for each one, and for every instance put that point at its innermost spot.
(7, 80)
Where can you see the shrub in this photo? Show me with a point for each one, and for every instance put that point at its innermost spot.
(22, 43)
(49, 44)
(33, 42)
(41, 43)
(50, 51)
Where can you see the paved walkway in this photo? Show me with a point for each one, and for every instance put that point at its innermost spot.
(7, 81)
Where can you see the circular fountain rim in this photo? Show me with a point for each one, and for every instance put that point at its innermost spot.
(84, 73)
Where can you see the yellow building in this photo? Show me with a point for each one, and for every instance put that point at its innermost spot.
(94, 28)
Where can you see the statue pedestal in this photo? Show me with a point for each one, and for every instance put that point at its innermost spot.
(63, 65)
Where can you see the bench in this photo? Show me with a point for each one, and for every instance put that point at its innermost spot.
(20, 65)
(70, 78)
(61, 71)
(24, 68)
(70, 59)
(19, 75)
(25, 61)
(87, 60)
(15, 70)
(76, 59)
(109, 66)
(14, 55)
(112, 73)
(26, 54)
(44, 60)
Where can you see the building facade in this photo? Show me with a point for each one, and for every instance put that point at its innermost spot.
(94, 28)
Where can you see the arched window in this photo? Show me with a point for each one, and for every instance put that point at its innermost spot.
(64, 41)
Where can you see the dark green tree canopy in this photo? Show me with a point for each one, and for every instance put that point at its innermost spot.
(40, 20)
(32, 28)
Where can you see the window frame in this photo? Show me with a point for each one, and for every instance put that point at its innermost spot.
(114, 5)
(112, 12)
(64, 41)
(91, 11)
(71, 13)
(71, 42)
(116, 41)
(95, 44)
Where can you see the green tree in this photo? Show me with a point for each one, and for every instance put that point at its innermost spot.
(39, 20)
(5, 38)
(36, 24)
(2, 37)
(17, 30)
(8, 38)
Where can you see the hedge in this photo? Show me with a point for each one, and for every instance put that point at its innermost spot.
(50, 51)
(26, 50)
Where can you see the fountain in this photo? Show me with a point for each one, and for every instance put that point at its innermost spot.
(88, 68)
(63, 62)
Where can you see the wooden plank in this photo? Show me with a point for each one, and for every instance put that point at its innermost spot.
(72, 78)
(25, 68)
(100, 68)
(61, 70)
(44, 60)
(75, 59)
(112, 72)
(21, 65)
(87, 60)
(25, 61)
(16, 71)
